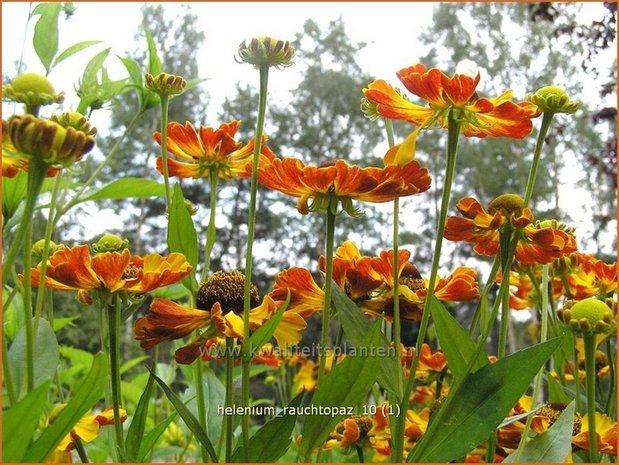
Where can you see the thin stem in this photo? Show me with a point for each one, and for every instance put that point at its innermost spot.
(397, 322)
(108, 158)
(484, 298)
(326, 312)
(612, 389)
(576, 377)
(164, 148)
(543, 131)
(28, 322)
(540, 375)
(79, 447)
(251, 223)
(114, 323)
(197, 370)
(589, 340)
(229, 396)
(452, 148)
(211, 231)
(49, 230)
(504, 321)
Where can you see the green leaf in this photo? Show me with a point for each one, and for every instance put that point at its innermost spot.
(13, 192)
(132, 363)
(86, 395)
(346, 386)
(182, 236)
(12, 315)
(214, 397)
(272, 440)
(19, 423)
(149, 441)
(45, 356)
(455, 341)
(556, 393)
(89, 77)
(189, 419)
(60, 323)
(154, 63)
(553, 446)
(45, 38)
(135, 433)
(477, 406)
(265, 332)
(126, 188)
(75, 48)
(356, 327)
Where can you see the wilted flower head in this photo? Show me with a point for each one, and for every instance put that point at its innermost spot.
(47, 141)
(266, 51)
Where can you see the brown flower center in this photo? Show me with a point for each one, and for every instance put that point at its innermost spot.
(411, 278)
(553, 412)
(227, 288)
(131, 272)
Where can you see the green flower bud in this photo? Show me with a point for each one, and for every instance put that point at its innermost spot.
(47, 140)
(110, 243)
(165, 84)
(31, 89)
(589, 316)
(266, 51)
(38, 248)
(507, 204)
(553, 99)
(75, 120)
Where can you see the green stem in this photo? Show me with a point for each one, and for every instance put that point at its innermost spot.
(546, 120)
(79, 447)
(589, 340)
(576, 377)
(229, 396)
(49, 230)
(114, 323)
(211, 231)
(197, 370)
(164, 149)
(108, 158)
(452, 148)
(483, 298)
(251, 224)
(28, 322)
(397, 322)
(504, 320)
(540, 375)
(612, 389)
(326, 312)
(36, 175)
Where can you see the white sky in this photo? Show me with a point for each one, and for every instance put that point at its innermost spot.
(389, 28)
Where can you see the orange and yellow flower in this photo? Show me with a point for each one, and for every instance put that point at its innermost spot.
(522, 293)
(86, 430)
(74, 268)
(323, 187)
(168, 320)
(479, 117)
(588, 276)
(606, 432)
(200, 152)
(538, 243)
(369, 282)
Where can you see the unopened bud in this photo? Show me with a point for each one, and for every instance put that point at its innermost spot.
(165, 84)
(266, 51)
(553, 99)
